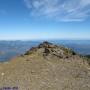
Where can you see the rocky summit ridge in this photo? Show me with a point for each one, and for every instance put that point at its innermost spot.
(47, 49)
(46, 67)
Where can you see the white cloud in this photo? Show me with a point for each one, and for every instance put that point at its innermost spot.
(62, 10)
(85, 2)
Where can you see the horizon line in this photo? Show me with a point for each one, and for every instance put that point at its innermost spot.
(38, 39)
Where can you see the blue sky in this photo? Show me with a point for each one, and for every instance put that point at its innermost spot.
(44, 19)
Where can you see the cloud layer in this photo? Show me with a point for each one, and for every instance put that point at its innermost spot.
(61, 10)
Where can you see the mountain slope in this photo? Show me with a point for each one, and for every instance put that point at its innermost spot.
(46, 67)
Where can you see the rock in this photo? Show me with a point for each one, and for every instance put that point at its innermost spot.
(49, 49)
(2, 74)
(45, 45)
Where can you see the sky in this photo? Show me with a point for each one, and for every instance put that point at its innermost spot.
(44, 19)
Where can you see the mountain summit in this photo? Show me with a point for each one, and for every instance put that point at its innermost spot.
(46, 67)
(50, 50)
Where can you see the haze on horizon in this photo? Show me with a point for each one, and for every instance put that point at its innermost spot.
(44, 19)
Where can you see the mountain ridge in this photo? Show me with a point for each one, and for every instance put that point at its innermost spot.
(46, 67)
(46, 49)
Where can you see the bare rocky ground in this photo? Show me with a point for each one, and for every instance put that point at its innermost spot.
(46, 67)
